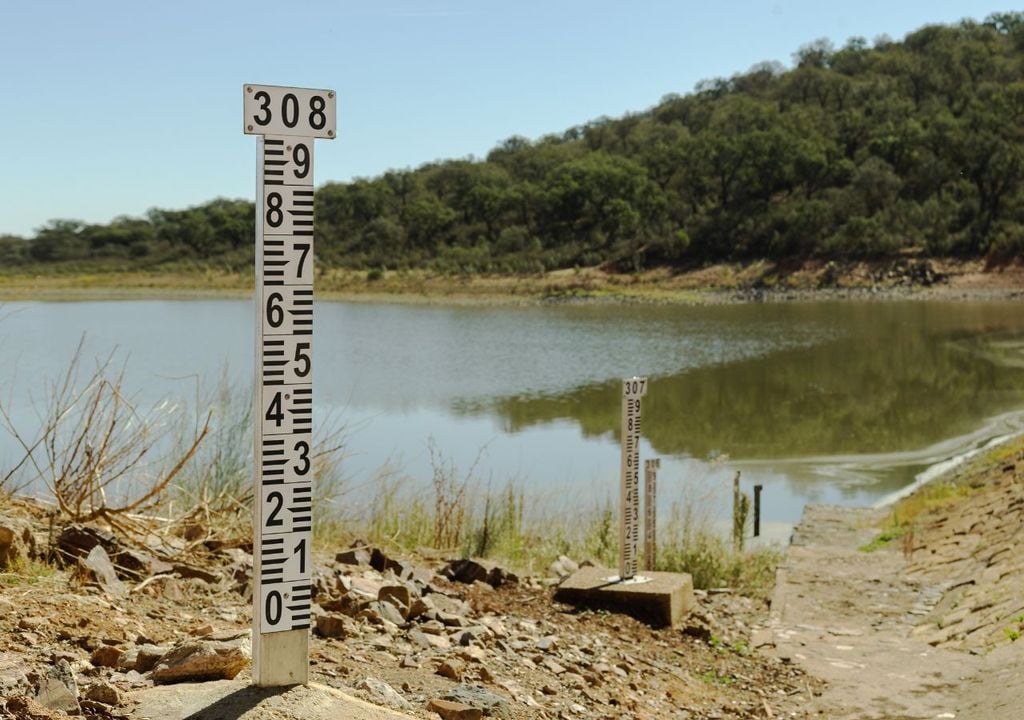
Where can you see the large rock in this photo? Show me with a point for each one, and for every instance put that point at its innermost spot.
(198, 660)
(97, 568)
(58, 689)
(470, 571)
(12, 674)
(77, 540)
(492, 704)
(354, 556)
(384, 694)
(137, 565)
(449, 710)
(23, 707)
(16, 542)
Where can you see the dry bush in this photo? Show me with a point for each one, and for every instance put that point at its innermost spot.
(93, 439)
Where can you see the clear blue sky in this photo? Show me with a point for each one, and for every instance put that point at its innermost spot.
(113, 107)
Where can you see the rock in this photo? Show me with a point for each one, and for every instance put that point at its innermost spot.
(385, 611)
(191, 571)
(473, 635)
(381, 562)
(104, 693)
(197, 660)
(96, 567)
(12, 674)
(26, 708)
(563, 567)
(473, 653)
(137, 565)
(492, 704)
(58, 689)
(428, 641)
(331, 625)
(451, 669)
(398, 595)
(201, 630)
(78, 540)
(106, 656)
(452, 620)
(354, 556)
(548, 644)
(16, 542)
(449, 710)
(142, 658)
(469, 571)
(32, 623)
(351, 603)
(384, 694)
(465, 571)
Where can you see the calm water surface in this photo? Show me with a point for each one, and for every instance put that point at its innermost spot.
(837, 402)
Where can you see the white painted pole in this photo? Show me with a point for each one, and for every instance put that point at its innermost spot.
(629, 497)
(287, 120)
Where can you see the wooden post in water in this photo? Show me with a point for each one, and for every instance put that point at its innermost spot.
(737, 523)
(757, 510)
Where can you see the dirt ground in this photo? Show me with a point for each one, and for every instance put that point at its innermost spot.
(530, 656)
(923, 626)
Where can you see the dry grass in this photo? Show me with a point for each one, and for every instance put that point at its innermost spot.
(94, 439)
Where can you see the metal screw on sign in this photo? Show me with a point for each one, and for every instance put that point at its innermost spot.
(287, 120)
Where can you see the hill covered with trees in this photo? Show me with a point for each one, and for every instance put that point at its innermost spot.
(856, 152)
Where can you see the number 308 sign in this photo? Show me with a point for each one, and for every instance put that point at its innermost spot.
(273, 110)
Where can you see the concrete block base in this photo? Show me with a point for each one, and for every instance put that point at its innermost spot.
(662, 601)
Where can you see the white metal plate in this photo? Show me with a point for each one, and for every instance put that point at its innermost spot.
(286, 508)
(288, 161)
(287, 409)
(287, 359)
(286, 459)
(276, 110)
(284, 606)
(287, 210)
(287, 310)
(288, 260)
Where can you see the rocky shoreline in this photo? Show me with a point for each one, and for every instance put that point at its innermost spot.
(118, 623)
(100, 623)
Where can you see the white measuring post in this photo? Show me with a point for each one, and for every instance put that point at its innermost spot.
(287, 121)
(651, 468)
(629, 499)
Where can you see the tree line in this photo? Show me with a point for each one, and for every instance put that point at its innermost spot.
(854, 152)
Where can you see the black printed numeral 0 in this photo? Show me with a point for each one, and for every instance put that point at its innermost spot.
(289, 110)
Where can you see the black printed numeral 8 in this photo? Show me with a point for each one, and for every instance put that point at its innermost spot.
(275, 215)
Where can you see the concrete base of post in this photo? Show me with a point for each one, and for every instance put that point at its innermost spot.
(662, 602)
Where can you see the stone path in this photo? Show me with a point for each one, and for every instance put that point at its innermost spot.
(847, 617)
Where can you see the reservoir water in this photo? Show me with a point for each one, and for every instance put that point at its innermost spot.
(825, 402)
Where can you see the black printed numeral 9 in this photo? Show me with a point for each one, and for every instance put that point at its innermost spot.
(290, 110)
